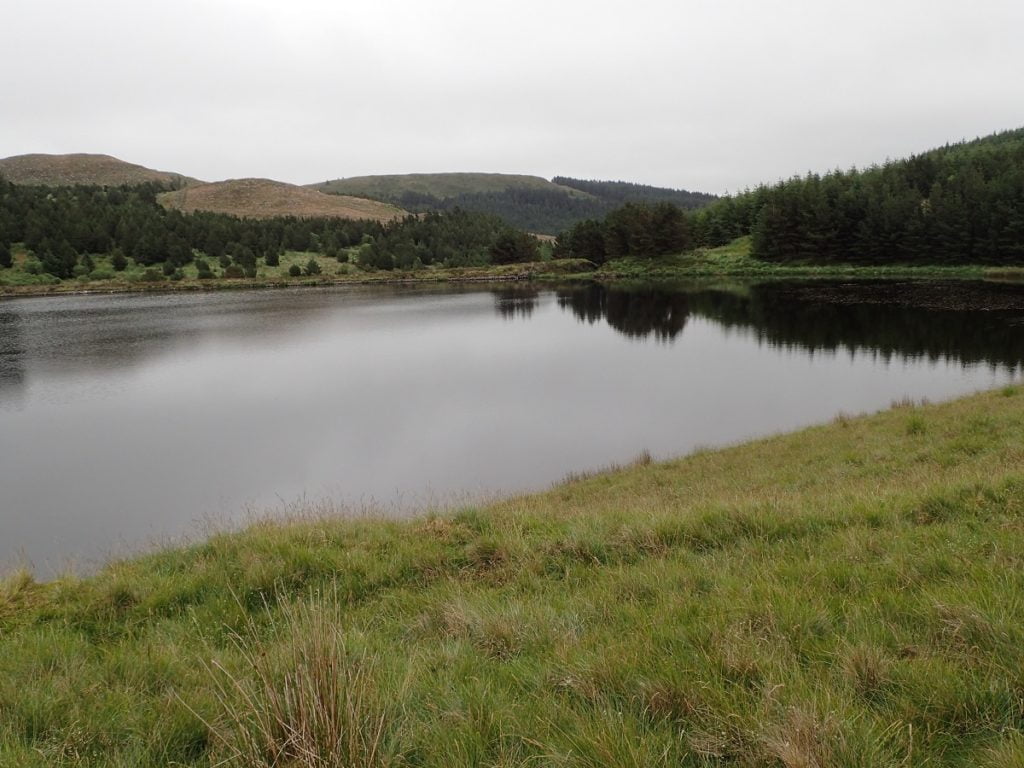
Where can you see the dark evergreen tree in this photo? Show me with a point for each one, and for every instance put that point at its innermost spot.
(514, 247)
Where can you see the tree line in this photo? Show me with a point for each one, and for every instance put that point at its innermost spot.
(959, 204)
(550, 211)
(64, 227)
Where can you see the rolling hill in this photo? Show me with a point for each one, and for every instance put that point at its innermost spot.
(68, 170)
(393, 188)
(265, 199)
(527, 202)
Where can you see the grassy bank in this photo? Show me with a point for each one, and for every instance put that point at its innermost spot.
(849, 595)
(733, 260)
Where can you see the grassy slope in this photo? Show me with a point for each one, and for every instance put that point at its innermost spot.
(440, 185)
(849, 595)
(265, 199)
(62, 170)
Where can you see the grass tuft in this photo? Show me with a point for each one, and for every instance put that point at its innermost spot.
(300, 697)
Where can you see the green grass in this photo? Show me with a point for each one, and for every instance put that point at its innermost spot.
(849, 595)
(17, 281)
(735, 259)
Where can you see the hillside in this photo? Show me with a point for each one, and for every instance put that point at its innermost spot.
(441, 186)
(849, 595)
(265, 199)
(99, 170)
(958, 204)
(526, 202)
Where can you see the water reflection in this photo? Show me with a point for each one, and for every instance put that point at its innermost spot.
(124, 417)
(513, 302)
(69, 337)
(12, 356)
(634, 312)
(967, 322)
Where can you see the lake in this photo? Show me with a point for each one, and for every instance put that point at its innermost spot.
(130, 419)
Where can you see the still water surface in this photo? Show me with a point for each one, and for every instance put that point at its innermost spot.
(129, 418)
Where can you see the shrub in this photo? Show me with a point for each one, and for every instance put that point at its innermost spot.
(313, 267)
(295, 270)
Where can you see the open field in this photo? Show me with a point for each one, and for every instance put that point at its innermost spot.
(848, 595)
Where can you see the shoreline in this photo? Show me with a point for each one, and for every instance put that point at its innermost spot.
(616, 274)
(820, 585)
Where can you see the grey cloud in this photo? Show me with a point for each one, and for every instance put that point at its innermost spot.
(704, 95)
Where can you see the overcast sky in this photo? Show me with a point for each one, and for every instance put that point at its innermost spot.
(711, 95)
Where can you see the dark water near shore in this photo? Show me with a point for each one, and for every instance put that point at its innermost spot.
(129, 418)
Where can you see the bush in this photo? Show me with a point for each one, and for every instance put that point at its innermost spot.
(234, 271)
(151, 276)
(295, 270)
(272, 258)
(313, 267)
(118, 261)
(6, 259)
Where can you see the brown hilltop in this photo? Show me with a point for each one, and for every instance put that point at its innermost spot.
(265, 199)
(68, 170)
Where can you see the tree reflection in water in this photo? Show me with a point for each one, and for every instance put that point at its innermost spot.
(634, 312)
(12, 357)
(963, 321)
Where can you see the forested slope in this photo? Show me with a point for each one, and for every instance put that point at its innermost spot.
(962, 204)
(526, 202)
